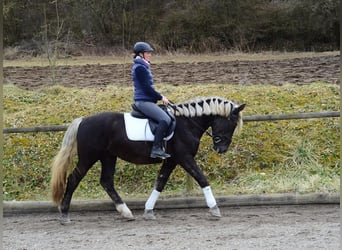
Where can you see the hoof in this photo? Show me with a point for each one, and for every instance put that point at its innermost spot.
(149, 215)
(125, 212)
(129, 218)
(215, 213)
(65, 220)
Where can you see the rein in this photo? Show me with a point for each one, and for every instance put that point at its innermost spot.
(198, 126)
(172, 105)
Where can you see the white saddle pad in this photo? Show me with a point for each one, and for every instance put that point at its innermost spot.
(139, 129)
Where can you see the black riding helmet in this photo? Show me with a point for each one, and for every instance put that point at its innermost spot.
(142, 47)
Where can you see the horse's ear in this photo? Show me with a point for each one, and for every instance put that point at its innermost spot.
(239, 108)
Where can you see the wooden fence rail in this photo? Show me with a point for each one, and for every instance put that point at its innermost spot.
(291, 116)
(253, 118)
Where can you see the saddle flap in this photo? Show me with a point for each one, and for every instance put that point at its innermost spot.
(138, 129)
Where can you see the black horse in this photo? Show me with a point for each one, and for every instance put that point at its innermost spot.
(102, 137)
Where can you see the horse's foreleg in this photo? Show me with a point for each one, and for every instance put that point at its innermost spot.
(162, 178)
(192, 168)
(107, 182)
(211, 202)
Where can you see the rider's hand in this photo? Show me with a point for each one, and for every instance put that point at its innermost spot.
(165, 100)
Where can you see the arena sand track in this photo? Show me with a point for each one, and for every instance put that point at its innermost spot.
(253, 227)
(304, 70)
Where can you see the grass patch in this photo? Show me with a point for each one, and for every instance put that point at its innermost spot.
(268, 157)
(301, 172)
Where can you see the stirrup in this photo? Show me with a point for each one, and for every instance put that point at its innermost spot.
(159, 154)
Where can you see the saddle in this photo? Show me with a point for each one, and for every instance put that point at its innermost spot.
(139, 127)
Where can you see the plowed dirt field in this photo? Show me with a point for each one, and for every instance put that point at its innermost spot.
(301, 70)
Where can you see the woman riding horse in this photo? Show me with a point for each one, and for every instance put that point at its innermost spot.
(146, 97)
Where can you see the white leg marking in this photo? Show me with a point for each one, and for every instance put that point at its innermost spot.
(149, 205)
(209, 197)
(124, 211)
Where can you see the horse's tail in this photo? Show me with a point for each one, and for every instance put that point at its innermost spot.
(63, 160)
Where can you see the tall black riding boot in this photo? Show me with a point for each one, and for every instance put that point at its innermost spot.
(157, 149)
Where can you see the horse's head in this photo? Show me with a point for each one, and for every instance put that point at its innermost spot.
(222, 115)
(224, 127)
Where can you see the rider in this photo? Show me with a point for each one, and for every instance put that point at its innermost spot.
(146, 97)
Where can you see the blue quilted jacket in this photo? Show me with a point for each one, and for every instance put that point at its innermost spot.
(143, 82)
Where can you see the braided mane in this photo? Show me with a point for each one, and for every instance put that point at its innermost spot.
(204, 106)
(207, 106)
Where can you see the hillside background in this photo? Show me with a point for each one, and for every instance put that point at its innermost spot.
(196, 26)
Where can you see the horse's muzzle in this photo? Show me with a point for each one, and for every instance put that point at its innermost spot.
(220, 149)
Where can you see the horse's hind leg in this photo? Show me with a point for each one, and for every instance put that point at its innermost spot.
(107, 182)
(73, 180)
